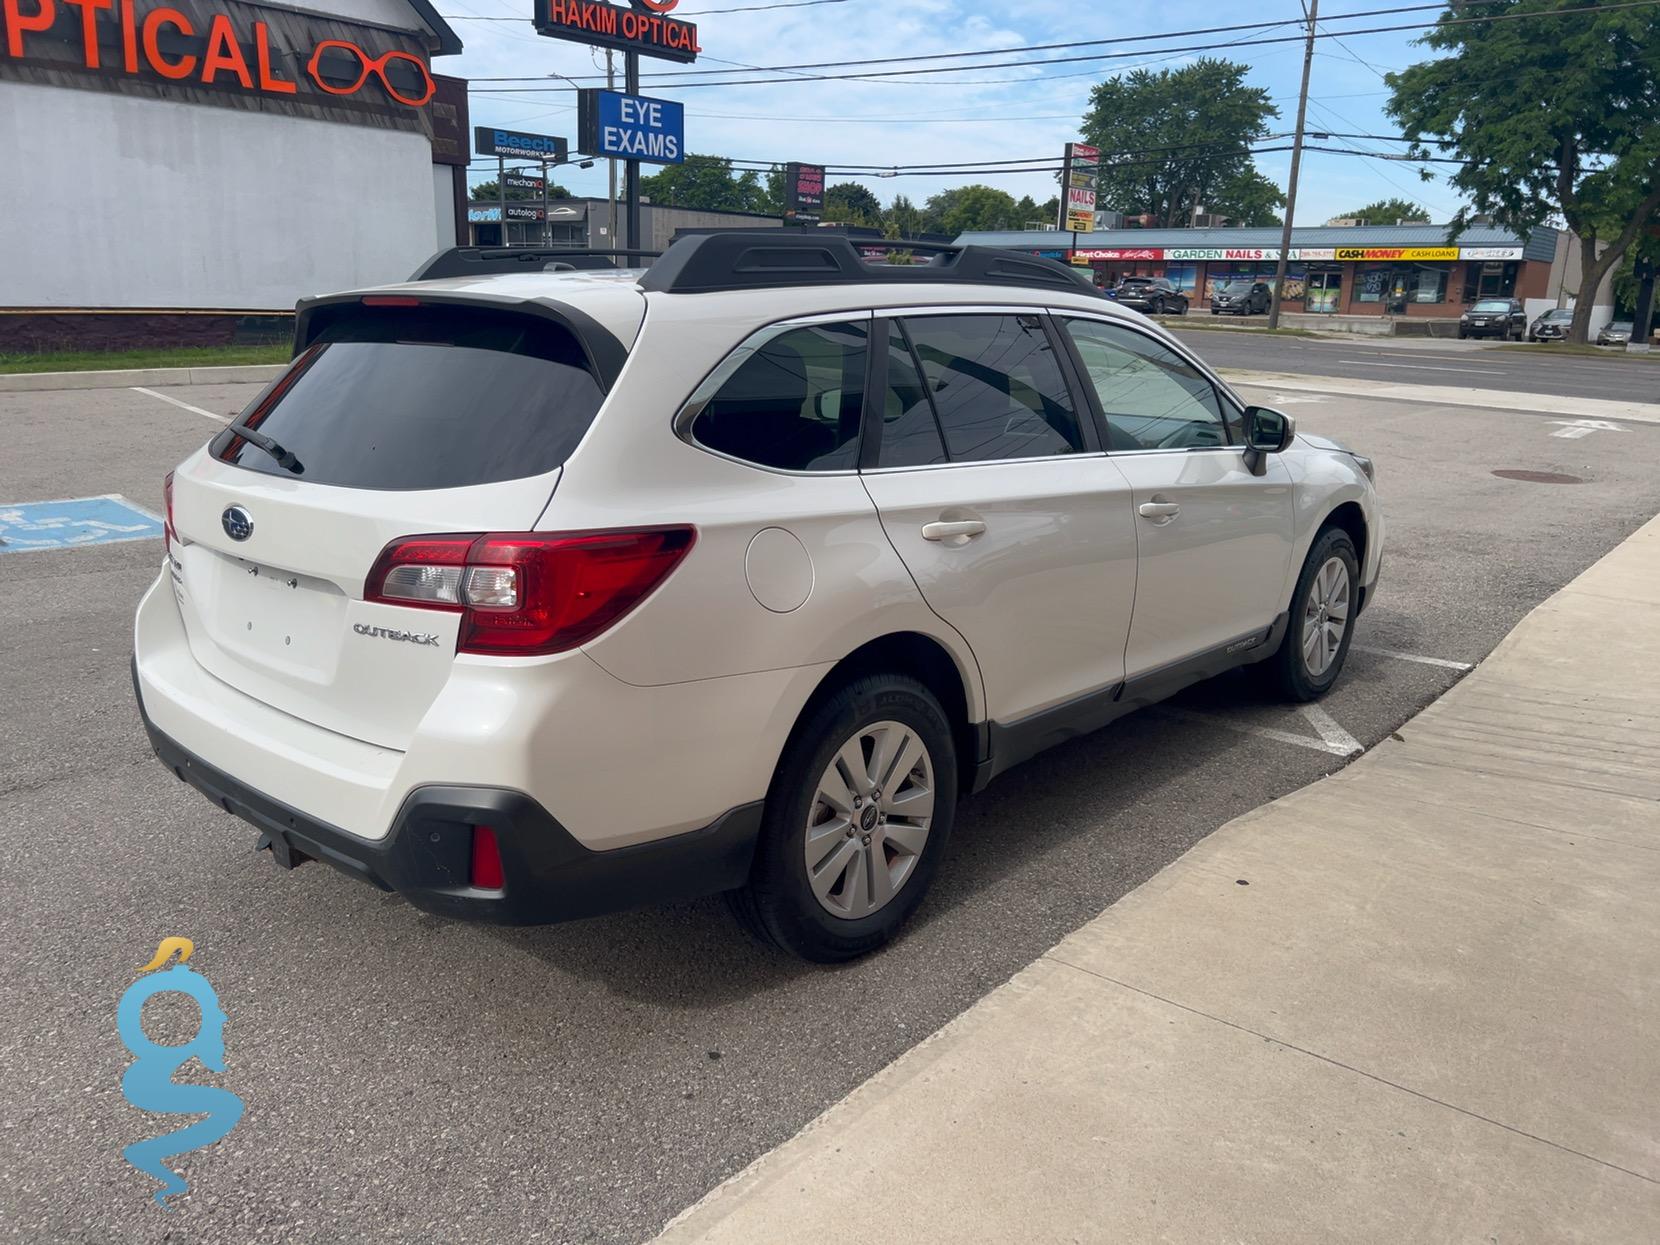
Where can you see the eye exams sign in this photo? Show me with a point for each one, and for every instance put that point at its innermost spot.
(255, 50)
(631, 127)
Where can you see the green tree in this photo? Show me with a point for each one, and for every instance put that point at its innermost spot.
(1556, 118)
(849, 203)
(903, 219)
(1028, 212)
(964, 209)
(703, 182)
(1179, 139)
(1049, 211)
(1388, 211)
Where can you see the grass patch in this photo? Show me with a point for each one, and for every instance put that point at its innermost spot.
(180, 356)
(1212, 325)
(1543, 349)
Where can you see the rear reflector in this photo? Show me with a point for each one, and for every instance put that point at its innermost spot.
(486, 870)
(389, 300)
(526, 594)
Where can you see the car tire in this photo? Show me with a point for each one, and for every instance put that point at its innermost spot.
(780, 903)
(1305, 667)
(1156, 307)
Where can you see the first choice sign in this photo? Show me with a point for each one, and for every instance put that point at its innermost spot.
(644, 28)
(516, 145)
(631, 127)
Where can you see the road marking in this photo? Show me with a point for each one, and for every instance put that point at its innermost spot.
(1573, 429)
(1285, 399)
(1426, 367)
(66, 523)
(1334, 740)
(1421, 660)
(184, 406)
(1337, 739)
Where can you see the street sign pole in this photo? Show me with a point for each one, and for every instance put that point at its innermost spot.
(547, 225)
(631, 174)
(501, 195)
(611, 165)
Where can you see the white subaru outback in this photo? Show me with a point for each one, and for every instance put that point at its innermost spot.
(542, 594)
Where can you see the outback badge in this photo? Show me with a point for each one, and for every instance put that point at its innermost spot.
(387, 633)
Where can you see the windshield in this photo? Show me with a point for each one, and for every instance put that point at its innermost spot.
(1492, 304)
(424, 398)
(1136, 281)
(1620, 326)
(1234, 287)
(1561, 313)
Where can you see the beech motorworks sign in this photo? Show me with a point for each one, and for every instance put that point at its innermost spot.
(645, 28)
(209, 50)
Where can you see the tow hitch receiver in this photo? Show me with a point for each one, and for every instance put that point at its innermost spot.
(282, 851)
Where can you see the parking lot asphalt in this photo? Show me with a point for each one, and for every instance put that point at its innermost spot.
(405, 1077)
(1536, 368)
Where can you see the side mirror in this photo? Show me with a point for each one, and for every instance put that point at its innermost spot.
(1267, 431)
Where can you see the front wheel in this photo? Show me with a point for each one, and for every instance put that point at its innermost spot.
(1317, 638)
(856, 820)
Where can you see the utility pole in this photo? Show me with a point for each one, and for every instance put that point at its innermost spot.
(1296, 162)
(631, 170)
(611, 164)
(501, 194)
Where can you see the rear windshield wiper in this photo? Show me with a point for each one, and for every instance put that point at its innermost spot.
(285, 458)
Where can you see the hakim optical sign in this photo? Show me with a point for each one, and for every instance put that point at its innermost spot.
(645, 27)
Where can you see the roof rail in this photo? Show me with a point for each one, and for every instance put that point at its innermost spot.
(769, 258)
(483, 261)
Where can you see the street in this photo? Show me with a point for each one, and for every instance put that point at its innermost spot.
(407, 1077)
(1537, 368)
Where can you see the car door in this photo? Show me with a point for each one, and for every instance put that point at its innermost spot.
(991, 485)
(1214, 539)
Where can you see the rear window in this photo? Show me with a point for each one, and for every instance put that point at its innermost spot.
(1492, 304)
(425, 398)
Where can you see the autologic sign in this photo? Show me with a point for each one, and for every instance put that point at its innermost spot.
(631, 127)
(516, 145)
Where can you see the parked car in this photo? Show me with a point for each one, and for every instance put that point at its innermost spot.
(545, 594)
(1494, 317)
(1615, 333)
(1242, 298)
(1552, 326)
(1153, 295)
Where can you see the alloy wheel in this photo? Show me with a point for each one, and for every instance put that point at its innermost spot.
(1325, 616)
(869, 819)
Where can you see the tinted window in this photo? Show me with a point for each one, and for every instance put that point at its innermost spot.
(1151, 397)
(425, 398)
(910, 434)
(996, 385)
(793, 400)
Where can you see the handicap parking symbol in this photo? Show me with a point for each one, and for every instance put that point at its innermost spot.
(68, 523)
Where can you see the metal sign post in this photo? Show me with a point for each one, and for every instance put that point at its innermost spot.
(501, 194)
(631, 175)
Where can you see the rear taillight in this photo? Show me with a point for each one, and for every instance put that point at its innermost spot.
(527, 593)
(169, 533)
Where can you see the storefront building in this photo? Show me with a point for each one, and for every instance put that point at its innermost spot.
(175, 170)
(1393, 270)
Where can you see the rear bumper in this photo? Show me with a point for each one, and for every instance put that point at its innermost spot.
(426, 857)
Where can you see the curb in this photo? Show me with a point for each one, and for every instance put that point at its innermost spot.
(126, 378)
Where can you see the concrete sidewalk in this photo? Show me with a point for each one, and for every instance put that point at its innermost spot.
(1416, 1001)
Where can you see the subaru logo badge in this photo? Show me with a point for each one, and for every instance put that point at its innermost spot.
(237, 522)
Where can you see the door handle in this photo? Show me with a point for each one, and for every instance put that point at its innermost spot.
(957, 531)
(1158, 510)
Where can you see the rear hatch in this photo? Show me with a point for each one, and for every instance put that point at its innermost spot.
(402, 419)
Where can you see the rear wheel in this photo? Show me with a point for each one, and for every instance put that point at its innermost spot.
(856, 820)
(1322, 619)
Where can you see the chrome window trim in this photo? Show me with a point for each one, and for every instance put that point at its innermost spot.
(988, 462)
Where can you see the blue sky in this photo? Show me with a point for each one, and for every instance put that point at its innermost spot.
(997, 114)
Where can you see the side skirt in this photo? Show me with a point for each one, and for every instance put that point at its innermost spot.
(1010, 743)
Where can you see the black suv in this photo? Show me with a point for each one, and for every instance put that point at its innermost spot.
(1241, 298)
(1153, 295)
(1494, 317)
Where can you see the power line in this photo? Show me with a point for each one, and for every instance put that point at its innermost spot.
(692, 78)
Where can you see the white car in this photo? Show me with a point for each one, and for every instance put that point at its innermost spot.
(539, 595)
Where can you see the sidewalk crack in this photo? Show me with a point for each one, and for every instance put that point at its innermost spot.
(1338, 1063)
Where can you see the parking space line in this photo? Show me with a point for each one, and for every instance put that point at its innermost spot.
(1340, 744)
(1421, 660)
(1337, 739)
(184, 406)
